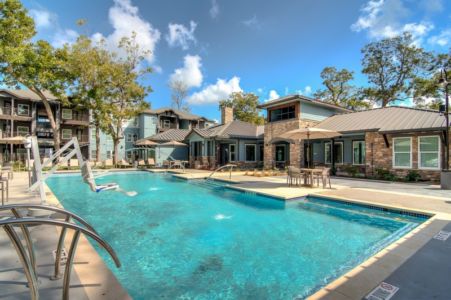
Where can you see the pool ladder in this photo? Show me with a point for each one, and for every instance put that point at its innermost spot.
(28, 260)
(230, 166)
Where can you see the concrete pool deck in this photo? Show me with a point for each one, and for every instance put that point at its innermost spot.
(398, 264)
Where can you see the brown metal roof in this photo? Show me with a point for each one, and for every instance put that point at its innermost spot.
(294, 98)
(27, 94)
(182, 114)
(178, 135)
(388, 119)
(234, 129)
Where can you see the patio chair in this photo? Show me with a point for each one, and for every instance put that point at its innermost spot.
(324, 176)
(108, 163)
(293, 173)
(73, 162)
(166, 164)
(124, 163)
(141, 163)
(151, 162)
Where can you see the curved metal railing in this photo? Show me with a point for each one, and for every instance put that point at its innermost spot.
(231, 166)
(28, 261)
(14, 208)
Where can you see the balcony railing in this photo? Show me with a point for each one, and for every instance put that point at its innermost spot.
(81, 139)
(8, 110)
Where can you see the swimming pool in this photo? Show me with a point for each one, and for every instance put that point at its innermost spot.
(186, 240)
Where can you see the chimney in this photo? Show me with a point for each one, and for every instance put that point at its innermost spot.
(226, 114)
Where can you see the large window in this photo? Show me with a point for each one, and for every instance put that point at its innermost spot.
(66, 114)
(23, 109)
(402, 152)
(250, 152)
(280, 153)
(66, 134)
(429, 152)
(338, 153)
(284, 113)
(358, 152)
(232, 152)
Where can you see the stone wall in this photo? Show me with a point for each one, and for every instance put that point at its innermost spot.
(226, 114)
(379, 156)
(274, 130)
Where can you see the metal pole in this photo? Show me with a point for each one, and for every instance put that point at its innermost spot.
(447, 123)
(69, 262)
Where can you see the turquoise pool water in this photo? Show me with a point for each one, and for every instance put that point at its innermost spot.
(183, 240)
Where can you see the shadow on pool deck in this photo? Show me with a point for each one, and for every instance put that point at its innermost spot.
(417, 264)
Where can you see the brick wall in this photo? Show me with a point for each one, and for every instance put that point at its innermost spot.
(378, 155)
(226, 114)
(274, 130)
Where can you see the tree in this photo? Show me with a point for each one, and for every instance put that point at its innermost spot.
(179, 91)
(244, 107)
(338, 90)
(427, 91)
(34, 65)
(125, 97)
(391, 65)
(91, 65)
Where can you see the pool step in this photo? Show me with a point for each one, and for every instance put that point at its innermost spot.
(211, 184)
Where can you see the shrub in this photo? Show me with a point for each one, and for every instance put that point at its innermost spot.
(385, 175)
(351, 170)
(413, 175)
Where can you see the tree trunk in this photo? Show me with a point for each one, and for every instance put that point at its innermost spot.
(53, 124)
(98, 143)
(115, 151)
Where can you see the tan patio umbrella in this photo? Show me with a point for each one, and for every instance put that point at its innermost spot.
(144, 142)
(173, 144)
(308, 133)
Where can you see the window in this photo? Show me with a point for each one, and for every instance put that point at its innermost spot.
(135, 122)
(338, 153)
(429, 152)
(94, 154)
(166, 124)
(109, 154)
(135, 137)
(280, 153)
(129, 137)
(250, 152)
(284, 113)
(93, 134)
(66, 134)
(23, 109)
(232, 152)
(358, 152)
(66, 114)
(402, 152)
(22, 130)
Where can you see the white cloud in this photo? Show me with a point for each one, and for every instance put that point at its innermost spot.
(272, 95)
(214, 93)
(382, 19)
(214, 10)
(64, 36)
(179, 35)
(252, 22)
(443, 39)
(190, 74)
(432, 6)
(307, 91)
(42, 18)
(125, 19)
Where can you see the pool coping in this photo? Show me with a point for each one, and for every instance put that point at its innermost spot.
(96, 270)
(355, 283)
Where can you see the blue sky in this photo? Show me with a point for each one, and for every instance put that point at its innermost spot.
(271, 48)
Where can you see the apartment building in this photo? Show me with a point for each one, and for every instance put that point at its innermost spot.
(22, 113)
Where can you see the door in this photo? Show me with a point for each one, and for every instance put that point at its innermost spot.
(224, 151)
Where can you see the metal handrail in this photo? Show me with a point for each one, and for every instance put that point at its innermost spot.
(68, 216)
(220, 168)
(29, 271)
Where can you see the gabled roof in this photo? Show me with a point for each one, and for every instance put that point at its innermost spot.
(234, 129)
(388, 119)
(27, 94)
(182, 114)
(178, 135)
(296, 97)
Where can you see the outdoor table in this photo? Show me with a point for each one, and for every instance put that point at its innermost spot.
(308, 177)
